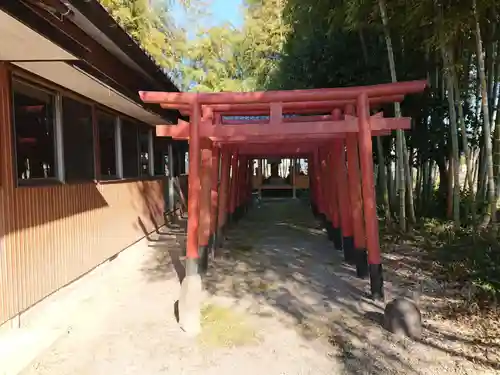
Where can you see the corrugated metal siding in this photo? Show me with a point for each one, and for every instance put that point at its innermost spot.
(51, 235)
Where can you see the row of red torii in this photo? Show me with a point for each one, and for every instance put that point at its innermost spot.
(338, 147)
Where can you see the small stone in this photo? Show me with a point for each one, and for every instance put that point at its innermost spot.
(402, 317)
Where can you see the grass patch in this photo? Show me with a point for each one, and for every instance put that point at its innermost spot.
(222, 327)
(460, 257)
(261, 286)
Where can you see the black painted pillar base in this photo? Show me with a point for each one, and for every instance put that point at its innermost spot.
(337, 238)
(242, 210)
(192, 266)
(348, 247)
(376, 281)
(322, 219)
(212, 244)
(361, 263)
(236, 214)
(203, 252)
(329, 230)
(314, 209)
(219, 237)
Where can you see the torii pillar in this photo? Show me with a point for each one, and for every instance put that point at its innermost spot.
(369, 204)
(360, 257)
(190, 296)
(204, 231)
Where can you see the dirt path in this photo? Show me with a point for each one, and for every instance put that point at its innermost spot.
(279, 301)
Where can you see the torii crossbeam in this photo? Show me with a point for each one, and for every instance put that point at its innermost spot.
(332, 128)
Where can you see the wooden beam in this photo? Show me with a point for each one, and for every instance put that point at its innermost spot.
(181, 131)
(388, 89)
(263, 109)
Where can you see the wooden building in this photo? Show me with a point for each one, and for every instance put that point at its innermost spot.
(83, 175)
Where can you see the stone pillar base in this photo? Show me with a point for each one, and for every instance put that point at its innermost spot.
(190, 299)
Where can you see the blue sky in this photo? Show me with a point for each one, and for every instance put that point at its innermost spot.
(227, 11)
(222, 11)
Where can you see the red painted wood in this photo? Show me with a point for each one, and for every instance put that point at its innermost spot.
(193, 185)
(319, 181)
(224, 187)
(355, 194)
(243, 180)
(312, 179)
(367, 181)
(342, 188)
(214, 194)
(234, 182)
(282, 130)
(388, 89)
(334, 204)
(288, 108)
(206, 169)
(240, 180)
(325, 182)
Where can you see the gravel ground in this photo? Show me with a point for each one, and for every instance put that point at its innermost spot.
(282, 277)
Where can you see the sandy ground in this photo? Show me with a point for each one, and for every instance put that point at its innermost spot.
(307, 312)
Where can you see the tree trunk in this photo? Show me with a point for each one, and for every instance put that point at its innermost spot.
(490, 211)
(397, 113)
(418, 186)
(391, 187)
(383, 182)
(409, 184)
(449, 192)
(443, 179)
(496, 152)
(454, 157)
(468, 157)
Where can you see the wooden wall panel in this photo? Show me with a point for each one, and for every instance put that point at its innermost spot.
(58, 233)
(51, 235)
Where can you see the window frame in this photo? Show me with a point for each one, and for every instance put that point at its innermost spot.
(56, 128)
(93, 118)
(99, 177)
(137, 125)
(40, 83)
(145, 128)
(158, 146)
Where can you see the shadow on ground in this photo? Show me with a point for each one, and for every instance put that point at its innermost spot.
(278, 263)
(169, 244)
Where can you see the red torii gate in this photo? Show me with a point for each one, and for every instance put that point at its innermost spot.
(337, 144)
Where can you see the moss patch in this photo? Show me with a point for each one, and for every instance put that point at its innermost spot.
(222, 327)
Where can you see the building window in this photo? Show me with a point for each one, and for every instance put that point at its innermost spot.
(107, 145)
(78, 141)
(34, 115)
(144, 135)
(130, 149)
(160, 147)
